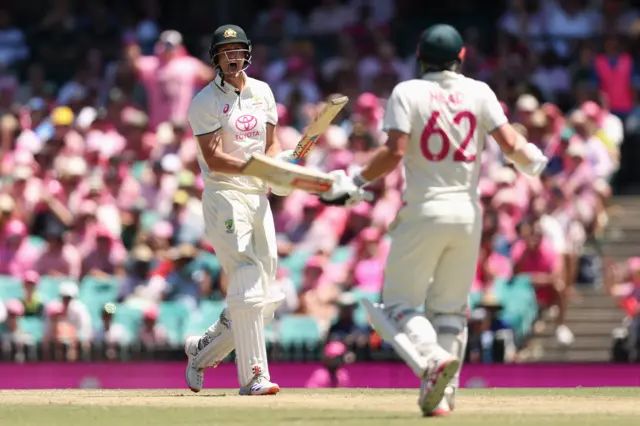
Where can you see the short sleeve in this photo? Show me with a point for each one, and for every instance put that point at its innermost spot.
(202, 118)
(272, 109)
(492, 112)
(397, 115)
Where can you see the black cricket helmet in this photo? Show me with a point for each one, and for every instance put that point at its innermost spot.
(440, 48)
(229, 34)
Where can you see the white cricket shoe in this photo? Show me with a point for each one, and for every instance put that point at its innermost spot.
(441, 369)
(193, 375)
(260, 386)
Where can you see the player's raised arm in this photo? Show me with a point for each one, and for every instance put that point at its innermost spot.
(526, 156)
(272, 144)
(206, 127)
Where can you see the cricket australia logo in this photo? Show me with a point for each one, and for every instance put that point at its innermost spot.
(228, 224)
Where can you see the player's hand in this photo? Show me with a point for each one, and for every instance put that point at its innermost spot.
(344, 192)
(286, 156)
(280, 191)
(538, 161)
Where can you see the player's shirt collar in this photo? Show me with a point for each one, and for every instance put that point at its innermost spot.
(439, 75)
(228, 87)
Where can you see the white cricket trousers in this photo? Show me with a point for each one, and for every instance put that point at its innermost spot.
(433, 256)
(240, 227)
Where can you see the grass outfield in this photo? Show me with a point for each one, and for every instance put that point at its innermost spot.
(344, 407)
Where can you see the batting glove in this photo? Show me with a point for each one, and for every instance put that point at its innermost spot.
(345, 191)
(538, 161)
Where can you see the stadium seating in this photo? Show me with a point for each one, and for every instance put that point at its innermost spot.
(173, 317)
(49, 287)
(95, 292)
(34, 326)
(10, 288)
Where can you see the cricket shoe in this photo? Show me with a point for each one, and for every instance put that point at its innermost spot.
(193, 375)
(260, 385)
(441, 369)
(441, 410)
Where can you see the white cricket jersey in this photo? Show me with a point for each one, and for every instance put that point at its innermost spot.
(447, 116)
(242, 117)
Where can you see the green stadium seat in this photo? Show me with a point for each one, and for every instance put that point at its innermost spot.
(95, 292)
(212, 309)
(209, 262)
(129, 317)
(36, 241)
(49, 287)
(173, 317)
(148, 219)
(360, 316)
(298, 330)
(137, 169)
(295, 264)
(10, 288)
(361, 294)
(341, 255)
(34, 326)
(197, 324)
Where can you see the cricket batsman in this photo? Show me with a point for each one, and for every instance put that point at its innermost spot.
(437, 125)
(233, 117)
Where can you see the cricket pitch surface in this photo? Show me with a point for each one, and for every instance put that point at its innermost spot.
(344, 407)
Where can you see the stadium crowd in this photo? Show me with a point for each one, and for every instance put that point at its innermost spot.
(100, 189)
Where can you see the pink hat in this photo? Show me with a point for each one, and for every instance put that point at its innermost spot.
(151, 313)
(315, 262)
(16, 228)
(335, 349)
(162, 229)
(103, 232)
(31, 277)
(591, 109)
(15, 307)
(367, 101)
(634, 264)
(54, 308)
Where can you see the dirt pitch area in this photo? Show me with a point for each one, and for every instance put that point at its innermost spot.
(344, 407)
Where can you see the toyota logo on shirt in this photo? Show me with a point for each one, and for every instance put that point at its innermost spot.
(246, 123)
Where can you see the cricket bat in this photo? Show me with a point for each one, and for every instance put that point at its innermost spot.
(281, 173)
(319, 126)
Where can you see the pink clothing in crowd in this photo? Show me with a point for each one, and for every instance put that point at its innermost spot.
(66, 263)
(369, 275)
(170, 86)
(497, 265)
(17, 262)
(544, 260)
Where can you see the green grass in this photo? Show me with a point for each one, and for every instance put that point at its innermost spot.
(344, 407)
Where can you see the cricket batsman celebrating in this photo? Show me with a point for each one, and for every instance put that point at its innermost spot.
(438, 125)
(233, 117)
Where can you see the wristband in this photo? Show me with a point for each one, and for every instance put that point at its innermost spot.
(359, 181)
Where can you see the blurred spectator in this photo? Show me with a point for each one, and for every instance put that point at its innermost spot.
(286, 286)
(107, 257)
(345, 329)
(75, 311)
(13, 337)
(110, 334)
(330, 17)
(151, 334)
(332, 373)
(278, 21)
(318, 294)
(171, 77)
(534, 256)
(183, 283)
(17, 254)
(59, 257)
(366, 272)
(32, 302)
(14, 46)
(137, 272)
(490, 339)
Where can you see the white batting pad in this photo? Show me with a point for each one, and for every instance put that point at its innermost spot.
(400, 342)
(452, 337)
(248, 336)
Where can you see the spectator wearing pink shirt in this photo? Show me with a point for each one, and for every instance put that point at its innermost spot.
(359, 218)
(82, 232)
(596, 152)
(318, 295)
(17, 254)
(332, 373)
(171, 77)
(107, 256)
(151, 334)
(491, 265)
(310, 211)
(577, 175)
(59, 257)
(366, 272)
(535, 257)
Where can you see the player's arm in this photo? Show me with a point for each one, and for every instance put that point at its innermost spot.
(272, 146)
(526, 156)
(206, 127)
(397, 124)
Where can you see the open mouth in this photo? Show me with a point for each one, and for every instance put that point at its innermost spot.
(233, 67)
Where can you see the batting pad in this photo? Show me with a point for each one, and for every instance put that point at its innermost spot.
(452, 337)
(221, 335)
(400, 342)
(248, 337)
